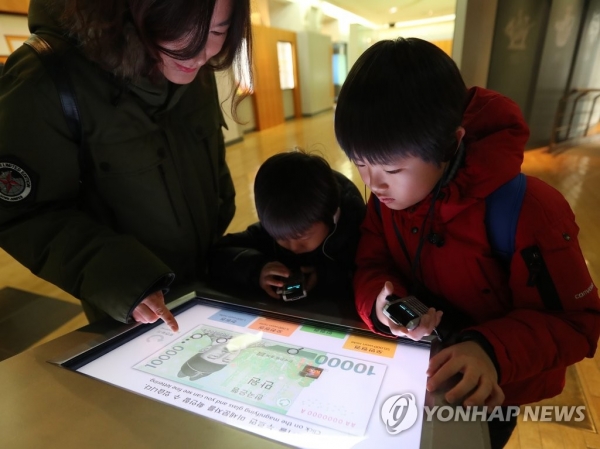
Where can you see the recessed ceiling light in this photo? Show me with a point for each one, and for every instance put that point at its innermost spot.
(393, 10)
(428, 21)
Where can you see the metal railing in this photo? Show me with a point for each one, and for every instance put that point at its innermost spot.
(574, 116)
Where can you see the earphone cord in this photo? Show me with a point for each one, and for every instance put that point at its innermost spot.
(449, 172)
(325, 242)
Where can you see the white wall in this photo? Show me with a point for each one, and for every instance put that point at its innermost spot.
(11, 25)
(360, 38)
(437, 32)
(287, 16)
(224, 84)
(245, 112)
(288, 104)
(473, 37)
(315, 71)
(337, 30)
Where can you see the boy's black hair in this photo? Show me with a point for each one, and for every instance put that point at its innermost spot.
(293, 191)
(402, 98)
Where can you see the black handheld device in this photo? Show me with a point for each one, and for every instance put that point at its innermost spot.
(294, 288)
(405, 311)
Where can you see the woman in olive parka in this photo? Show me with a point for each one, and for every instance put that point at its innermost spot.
(151, 190)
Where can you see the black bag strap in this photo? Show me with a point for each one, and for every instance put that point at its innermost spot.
(56, 69)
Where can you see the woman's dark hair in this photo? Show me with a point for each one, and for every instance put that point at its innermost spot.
(402, 98)
(123, 35)
(293, 191)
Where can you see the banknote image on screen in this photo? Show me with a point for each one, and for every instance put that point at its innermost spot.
(297, 383)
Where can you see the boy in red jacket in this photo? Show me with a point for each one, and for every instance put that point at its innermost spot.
(431, 151)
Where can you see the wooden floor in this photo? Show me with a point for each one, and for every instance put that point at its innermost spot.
(575, 172)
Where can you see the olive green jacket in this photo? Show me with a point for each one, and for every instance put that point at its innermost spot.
(157, 195)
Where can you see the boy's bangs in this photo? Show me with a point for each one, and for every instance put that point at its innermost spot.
(377, 135)
(284, 221)
(377, 153)
(283, 228)
(379, 147)
(385, 138)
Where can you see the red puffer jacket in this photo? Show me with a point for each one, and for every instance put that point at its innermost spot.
(533, 338)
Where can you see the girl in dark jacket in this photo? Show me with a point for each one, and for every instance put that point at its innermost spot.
(113, 219)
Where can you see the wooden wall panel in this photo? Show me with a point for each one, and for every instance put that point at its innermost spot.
(445, 45)
(14, 6)
(268, 98)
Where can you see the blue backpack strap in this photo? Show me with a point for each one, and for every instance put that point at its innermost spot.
(503, 207)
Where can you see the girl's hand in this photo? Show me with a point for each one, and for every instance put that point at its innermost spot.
(152, 308)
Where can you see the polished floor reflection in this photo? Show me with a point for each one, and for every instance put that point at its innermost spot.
(574, 171)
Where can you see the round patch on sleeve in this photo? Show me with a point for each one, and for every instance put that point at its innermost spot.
(15, 182)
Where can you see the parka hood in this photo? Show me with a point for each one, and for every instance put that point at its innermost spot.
(495, 138)
(494, 144)
(43, 15)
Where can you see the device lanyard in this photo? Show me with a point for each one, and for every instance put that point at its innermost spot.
(415, 263)
(446, 177)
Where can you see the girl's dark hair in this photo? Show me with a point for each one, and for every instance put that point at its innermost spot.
(293, 191)
(402, 98)
(123, 35)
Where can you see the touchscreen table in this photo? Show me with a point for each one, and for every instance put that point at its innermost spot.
(294, 382)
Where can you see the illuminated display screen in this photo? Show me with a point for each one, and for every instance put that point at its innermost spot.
(294, 382)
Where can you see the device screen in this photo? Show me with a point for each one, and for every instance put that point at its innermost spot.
(401, 312)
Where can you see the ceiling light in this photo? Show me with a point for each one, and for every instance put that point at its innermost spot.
(343, 15)
(430, 21)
